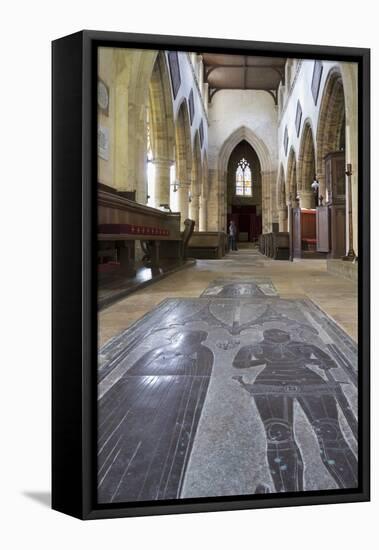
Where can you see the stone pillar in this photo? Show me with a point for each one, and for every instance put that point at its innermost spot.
(213, 206)
(194, 214)
(283, 219)
(162, 181)
(201, 71)
(307, 199)
(267, 178)
(183, 203)
(203, 214)
(290, 228)
(322, 188)
(354, 204)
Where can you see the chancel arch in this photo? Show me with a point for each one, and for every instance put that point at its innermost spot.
(161, 133)
(307, 168)
(266, 170)
(244, 191)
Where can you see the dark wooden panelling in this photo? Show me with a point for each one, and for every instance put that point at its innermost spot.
(337, 231)
(322, 229)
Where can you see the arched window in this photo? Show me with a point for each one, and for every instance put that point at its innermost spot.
(243, 179)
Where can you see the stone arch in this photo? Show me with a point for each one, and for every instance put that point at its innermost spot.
(244, 150)
(281, 194)
(204, 179)
(183, 158)
(162, 131)
(131, 71)
(196, 178)
(244, 133)
(331, 125)
(306, 166)
(203, 216)
(183, 149)
(161, 111)
(267, 167)
(291, 178)
(282, 200)
(196, 181)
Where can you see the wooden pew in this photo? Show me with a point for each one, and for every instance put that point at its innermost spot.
(304, 234)
(280, 245)
(275, 245)
(121, 222)
(207, 245)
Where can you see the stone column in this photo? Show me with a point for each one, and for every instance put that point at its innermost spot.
(203, 214)
(290, 228)
(307, 199)
(283, 219)
(322, 188)
(162, 181)
(350, 253)
(194, 214)
(267, 178)
(201, 71)
(354, 205)
(183, 203)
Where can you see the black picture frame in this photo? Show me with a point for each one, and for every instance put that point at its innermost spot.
(74, 316)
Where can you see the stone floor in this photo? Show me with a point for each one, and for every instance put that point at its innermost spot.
(336, 295)
(233, 380)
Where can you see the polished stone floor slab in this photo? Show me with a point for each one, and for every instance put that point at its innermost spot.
(227, 396)
(299, 279)
(243, 287)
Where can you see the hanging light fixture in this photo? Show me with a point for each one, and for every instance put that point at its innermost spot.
(175, 186)
(315, 185)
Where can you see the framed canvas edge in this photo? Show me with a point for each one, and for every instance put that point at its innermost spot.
(83, 501)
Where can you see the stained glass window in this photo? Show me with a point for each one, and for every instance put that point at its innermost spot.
(243, 179)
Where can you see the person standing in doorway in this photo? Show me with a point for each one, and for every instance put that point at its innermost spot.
(232, 231)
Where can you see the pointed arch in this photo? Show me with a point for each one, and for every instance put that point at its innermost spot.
(282, 200)
(291, 177)
(332, 118)
(183, 149)
(307, 158)
(196, 178)
(244, 133)
(281, 189)
(204, 179)
(161, 112)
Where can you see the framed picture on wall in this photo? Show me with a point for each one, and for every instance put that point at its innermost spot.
(210, 274)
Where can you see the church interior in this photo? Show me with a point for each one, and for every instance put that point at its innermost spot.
(227, 264)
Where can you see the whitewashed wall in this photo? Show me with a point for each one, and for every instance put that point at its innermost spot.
(235, 115)
(299, 88)
(189, 72)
